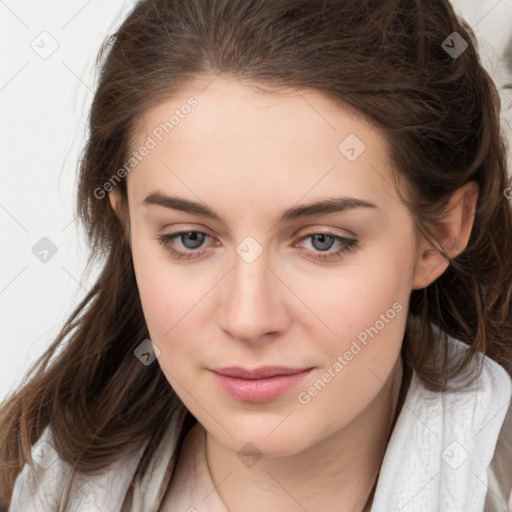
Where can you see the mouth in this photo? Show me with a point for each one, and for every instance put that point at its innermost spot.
(260, 384)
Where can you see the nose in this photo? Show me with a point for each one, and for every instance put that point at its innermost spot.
(253, 301)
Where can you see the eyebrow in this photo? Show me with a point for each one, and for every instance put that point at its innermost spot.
(323, 207)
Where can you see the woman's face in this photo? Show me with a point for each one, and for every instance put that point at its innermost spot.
(259, 276)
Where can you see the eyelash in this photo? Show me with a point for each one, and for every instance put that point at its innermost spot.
(349, 246)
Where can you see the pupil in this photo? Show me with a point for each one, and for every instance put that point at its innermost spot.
(196, 237)
(322, 239)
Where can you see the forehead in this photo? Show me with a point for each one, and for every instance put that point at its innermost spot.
(227, 107)
(226, 134)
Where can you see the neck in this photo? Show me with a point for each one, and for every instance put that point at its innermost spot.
(339, 473)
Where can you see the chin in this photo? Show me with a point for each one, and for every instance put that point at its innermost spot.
(270, 437)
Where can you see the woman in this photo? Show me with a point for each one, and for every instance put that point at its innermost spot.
(305, 301)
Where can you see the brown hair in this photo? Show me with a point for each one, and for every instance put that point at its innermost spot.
(439, 112)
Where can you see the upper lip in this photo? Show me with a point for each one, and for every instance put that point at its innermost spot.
(257, 373)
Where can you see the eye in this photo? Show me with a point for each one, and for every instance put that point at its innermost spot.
(190, 239)
(322, 243)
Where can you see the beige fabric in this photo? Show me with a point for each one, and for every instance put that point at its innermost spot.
(500, 470)
(192, 488)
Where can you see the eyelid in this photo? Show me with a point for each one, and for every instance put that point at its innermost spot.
(306, 231)
(349, 245)
(321, 229)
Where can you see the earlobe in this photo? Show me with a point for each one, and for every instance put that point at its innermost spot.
(452, 235)
(431, 265)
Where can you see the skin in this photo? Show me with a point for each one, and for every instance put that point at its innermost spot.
(248, 155)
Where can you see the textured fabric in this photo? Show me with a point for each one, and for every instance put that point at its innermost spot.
(40, 489)
(442, 445)
(437, 459)
(116, 489)
(500, 471)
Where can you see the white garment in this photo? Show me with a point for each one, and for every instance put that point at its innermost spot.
(442, 445)
(437, 460)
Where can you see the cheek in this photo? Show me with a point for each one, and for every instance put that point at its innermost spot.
(168, 292)
(366, 314)
(346, 303)
(362, 294)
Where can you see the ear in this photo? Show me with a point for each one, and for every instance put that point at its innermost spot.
(121, 209)
(115, 199)
(451, 233)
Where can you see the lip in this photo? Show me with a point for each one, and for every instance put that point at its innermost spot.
(260, 384)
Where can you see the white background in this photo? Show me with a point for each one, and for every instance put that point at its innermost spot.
(44, 105)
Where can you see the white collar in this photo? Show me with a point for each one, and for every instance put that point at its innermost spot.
(442, 444)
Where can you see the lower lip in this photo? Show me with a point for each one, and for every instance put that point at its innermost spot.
(259, 390)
